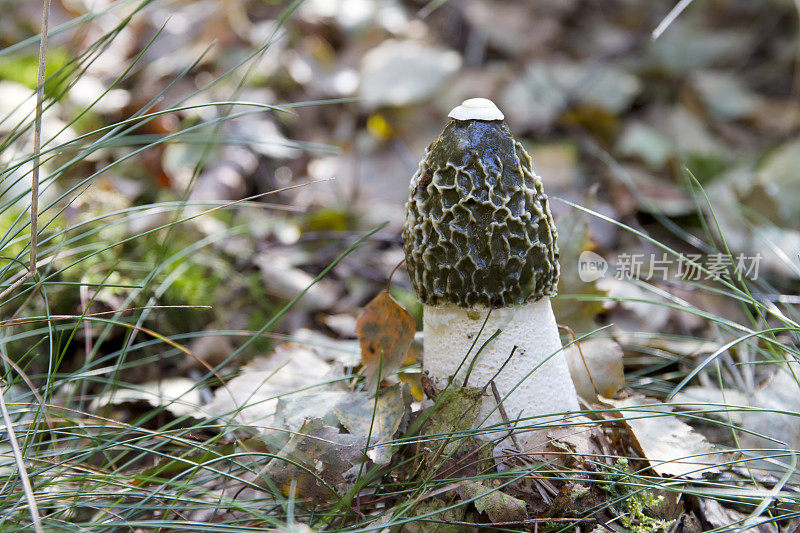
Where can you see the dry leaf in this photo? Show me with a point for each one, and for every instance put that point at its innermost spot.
(572, 446)
(316, 459)
(386, 332)
(293, 410)
(499, 506)
(671, 446)
(719, 516)
(437, 512)
(772, 422)
(707, 400)
(603, 358)
(179, 396)
(251, 398)
(579, 314)
(379, 418)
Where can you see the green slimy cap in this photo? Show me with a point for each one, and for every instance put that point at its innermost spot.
(478, 230)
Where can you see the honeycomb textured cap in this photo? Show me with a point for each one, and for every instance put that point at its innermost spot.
(478, 230)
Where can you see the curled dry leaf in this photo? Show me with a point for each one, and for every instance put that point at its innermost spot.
(719, 516)
(386, 332)
(601, 367)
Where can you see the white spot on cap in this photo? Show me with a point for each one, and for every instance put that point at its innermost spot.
(476, 109)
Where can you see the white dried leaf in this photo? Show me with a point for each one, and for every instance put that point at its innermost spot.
(179, 396)
(670, 445)
(646, 306)
(718, 517)
(565, 446)
(378, 418)
(726, 95)
(773, 425)
(546, 88)
(252, 397)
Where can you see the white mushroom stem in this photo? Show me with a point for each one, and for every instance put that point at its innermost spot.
(536, 375)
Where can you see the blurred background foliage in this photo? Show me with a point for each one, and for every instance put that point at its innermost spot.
(205, 161)
(612, 117)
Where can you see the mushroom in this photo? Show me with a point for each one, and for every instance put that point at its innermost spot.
(480, 247)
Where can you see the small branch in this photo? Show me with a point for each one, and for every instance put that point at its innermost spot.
(583, 359)
(528, 521)
(492, 337)
(389, 283)
(37, 147)
(16, 284)
(504, 415)
(37, 136)
(514, 349)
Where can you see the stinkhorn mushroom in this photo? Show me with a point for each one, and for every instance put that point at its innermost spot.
(479, 239)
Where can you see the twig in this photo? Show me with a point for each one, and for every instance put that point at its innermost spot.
(23, 472)
(389, 282)
(504, 415)
(87, 328)
(54, 318)
(670, 18)
(37, 135)
(589, 520)
(514, 349)
(16, 284)
(583, 359)
(37, 146)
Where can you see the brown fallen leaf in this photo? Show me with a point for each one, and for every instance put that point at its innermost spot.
(386, 332)
(314, 461)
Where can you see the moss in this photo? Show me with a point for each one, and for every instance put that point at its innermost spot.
(637, 508)
(329, 219)
(25, 70)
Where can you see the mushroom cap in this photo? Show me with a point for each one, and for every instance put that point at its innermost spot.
(478, 231)
(476, 109)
